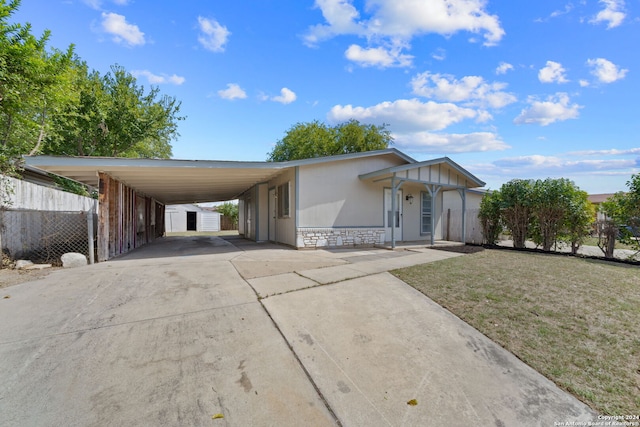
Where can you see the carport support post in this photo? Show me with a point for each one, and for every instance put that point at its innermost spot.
(433, 192)
(90, 235)
(394, 193)
(463, 195)
(103, 217)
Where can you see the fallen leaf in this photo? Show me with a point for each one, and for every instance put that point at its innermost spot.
(412, 402)
(7, 296)
(217, 416)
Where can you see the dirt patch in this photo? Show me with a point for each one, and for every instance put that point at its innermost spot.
(461, 249)
(11, 277)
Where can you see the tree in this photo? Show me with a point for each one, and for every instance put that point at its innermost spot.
(115, 117)
(516, 209)
(551, 201)
(230, 210)
(316, 139)
(623, 215)
(578, 220)
(34, 88)
(490, 217)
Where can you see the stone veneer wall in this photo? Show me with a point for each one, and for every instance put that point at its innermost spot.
(338, 237)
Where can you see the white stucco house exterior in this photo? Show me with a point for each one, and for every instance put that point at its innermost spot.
(371, 198)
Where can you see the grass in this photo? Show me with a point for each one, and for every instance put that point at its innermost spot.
(593, 241)
(576, 321)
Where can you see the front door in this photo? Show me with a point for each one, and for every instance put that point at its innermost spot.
(392, 219)
(272, 215)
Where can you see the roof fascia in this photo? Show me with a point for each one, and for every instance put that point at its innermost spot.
(402, 168)
(113, 162)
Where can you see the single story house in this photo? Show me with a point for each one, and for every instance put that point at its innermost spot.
(190, 217)
(371, 198)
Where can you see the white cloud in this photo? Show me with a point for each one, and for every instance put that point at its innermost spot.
(396, 22)
(155, 79)
(97, 4)
(583, 83)
(503, 67)
(606, 71)
(553, 164)
(610, 152)
(555, 108)
(405, 115)
(377, 56)
(122, 31)
(470, 89)
(428, 142)
(612, 13)
(213, 36)
(439, 55)
(287, 96)
(233, 91)
(553, 72)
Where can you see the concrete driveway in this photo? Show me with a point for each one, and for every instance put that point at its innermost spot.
(187, 328)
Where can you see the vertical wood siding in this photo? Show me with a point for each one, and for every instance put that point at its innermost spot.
(126, 219)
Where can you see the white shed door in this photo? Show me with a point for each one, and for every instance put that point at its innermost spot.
(210, 222)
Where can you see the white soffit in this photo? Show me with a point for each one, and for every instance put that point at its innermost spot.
(168, 181)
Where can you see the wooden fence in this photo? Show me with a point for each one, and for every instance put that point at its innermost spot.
(453, 226)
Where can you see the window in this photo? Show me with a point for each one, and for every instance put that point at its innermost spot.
(283, 200)
(425, 213)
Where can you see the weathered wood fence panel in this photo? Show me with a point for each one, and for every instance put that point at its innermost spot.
(126, 220)
(453, 226)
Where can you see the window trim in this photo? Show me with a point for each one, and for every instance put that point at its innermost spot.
(283, 196)
(423, 215)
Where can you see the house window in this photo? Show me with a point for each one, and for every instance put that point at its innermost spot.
(283, 200)
(425, 213)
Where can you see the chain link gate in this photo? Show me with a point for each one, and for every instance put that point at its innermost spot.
(44, 236)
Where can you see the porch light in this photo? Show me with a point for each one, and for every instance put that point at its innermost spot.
(409, 198)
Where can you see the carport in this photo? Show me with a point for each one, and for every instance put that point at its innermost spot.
(132, 193)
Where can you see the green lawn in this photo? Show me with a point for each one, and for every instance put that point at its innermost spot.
(576, 321)
(593, 241)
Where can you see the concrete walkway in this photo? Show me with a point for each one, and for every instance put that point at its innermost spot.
(188, 328)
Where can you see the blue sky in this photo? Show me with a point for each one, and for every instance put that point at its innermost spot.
(526, 89)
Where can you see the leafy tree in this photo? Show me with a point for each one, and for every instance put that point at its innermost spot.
(516, 209)
(551, 203)
(623, 216)
(490, 217)
(578, 220)
(34, 87)
(607, 228)
(316, 139)
(115, 117)
(230, 210)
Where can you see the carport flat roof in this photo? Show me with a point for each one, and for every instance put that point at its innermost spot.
(182, 181)
(168, 181)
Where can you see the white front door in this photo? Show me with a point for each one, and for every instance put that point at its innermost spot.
(272, 215)
(391, 219)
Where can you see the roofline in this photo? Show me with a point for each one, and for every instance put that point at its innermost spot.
(110, 162)
(402, 168)
(349, 156)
